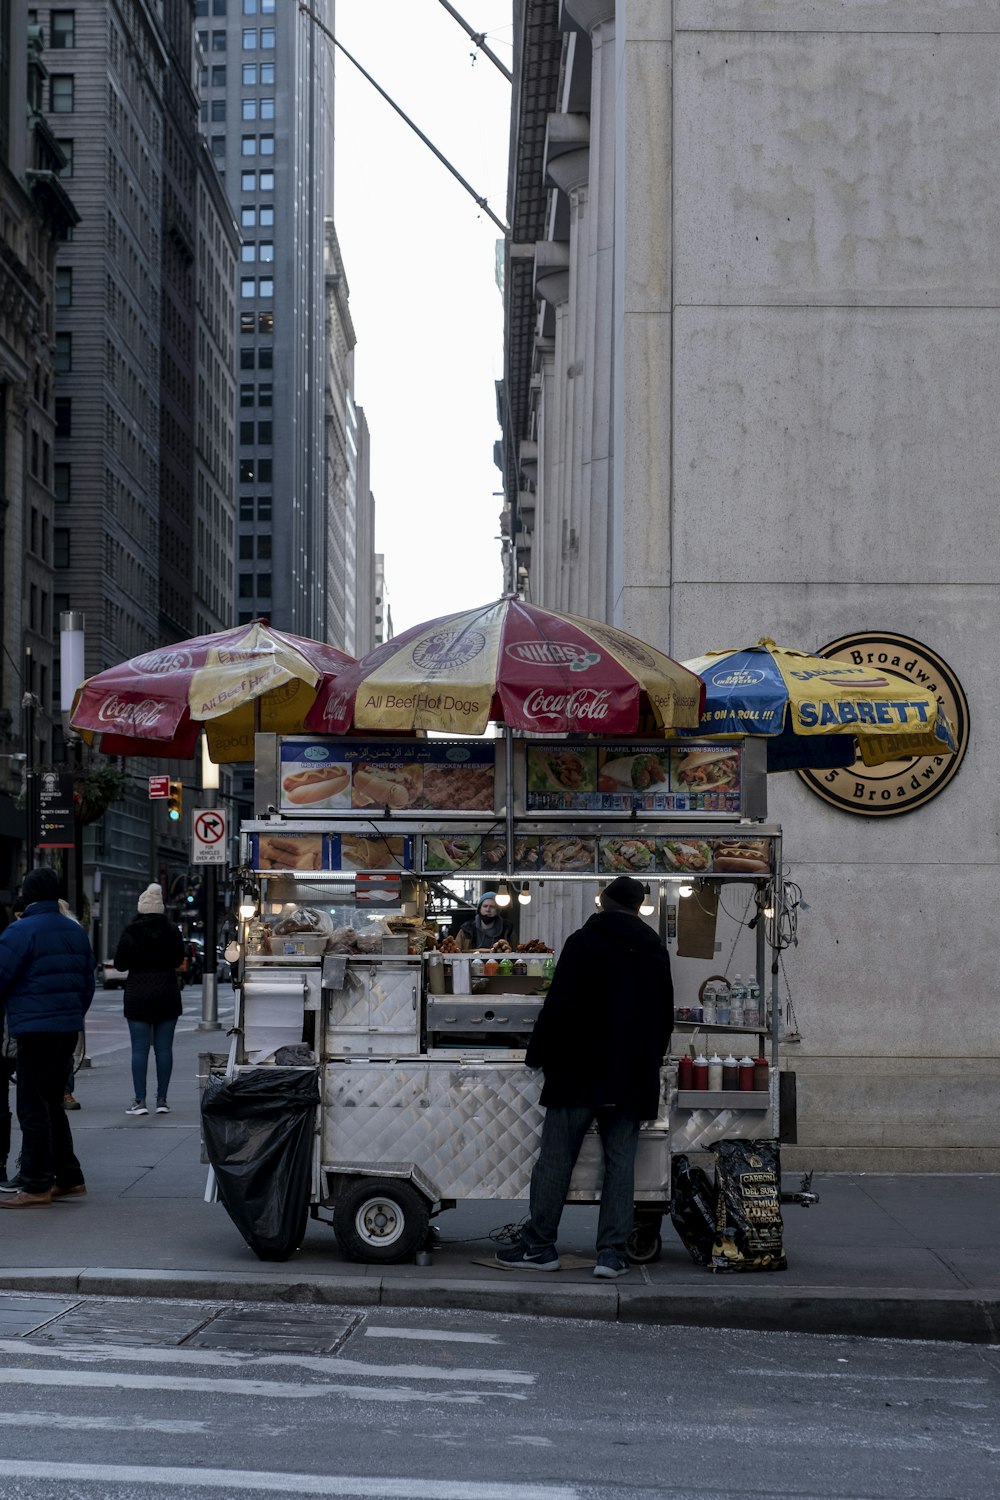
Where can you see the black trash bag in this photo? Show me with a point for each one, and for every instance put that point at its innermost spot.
(692, 1209)
(258, 1130)
(748, 1225)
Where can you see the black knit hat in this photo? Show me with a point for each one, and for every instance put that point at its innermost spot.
(623, 894)
(40, 885)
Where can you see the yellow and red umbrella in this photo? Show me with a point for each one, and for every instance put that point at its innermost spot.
(231, 683)
(515, 664)
(817, 712)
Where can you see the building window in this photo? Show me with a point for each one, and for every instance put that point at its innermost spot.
(249, 39)
(267, 182)
(246, 585)
(248, 252)
(248, 145)
(60, 547)
(267, 73)
(246, 549)
(248, 182)
(247, 322)
(66, 147)
(249, 7)
(264, 509)
(219, 147)
(265, 322)
(62, 29)
(265, 287)
(203, 40)
(267, 7)
(246, 359)
(246, 508)
(263, 471)
(64, 286)
(218, 7)
(248, 286)
(265, 250)
(246, 395)
(62, 483)
(264, 548)
(218, 110)
(64, 353)
(249, 75)
(264, 393)
(203, 111)
(203, 75)
(246, 475)
(267, 38)
(218, 41)
(201, 7)
(248, 217)
(248, 109)
(267, 145)
(64, 416)
(267, 109)
(264, 433)
(219, 76)
(246, 433)
(267, 214)
(61, 94)
(265, 359)
(263, 585)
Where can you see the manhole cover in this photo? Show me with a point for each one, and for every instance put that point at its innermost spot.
(275, 1330)
(158, 1323)
(20, 1316)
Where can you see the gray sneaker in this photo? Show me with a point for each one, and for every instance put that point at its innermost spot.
(137, 1107)
(610, 1265)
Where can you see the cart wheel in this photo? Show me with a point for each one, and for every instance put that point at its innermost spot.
(380, 1219)
(645, 1242)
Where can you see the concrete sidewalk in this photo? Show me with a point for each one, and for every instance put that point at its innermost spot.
(886, 1256)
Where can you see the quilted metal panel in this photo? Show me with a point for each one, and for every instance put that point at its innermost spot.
(374, 1014)
(696, 1129)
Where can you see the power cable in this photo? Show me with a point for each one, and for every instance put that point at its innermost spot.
(480, 201)
(479, 37)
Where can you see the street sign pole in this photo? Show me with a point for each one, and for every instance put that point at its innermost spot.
(209, 850)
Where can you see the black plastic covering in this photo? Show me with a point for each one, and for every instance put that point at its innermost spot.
(258, 1130)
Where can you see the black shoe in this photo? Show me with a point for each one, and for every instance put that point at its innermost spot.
(519, 1258)
(11, 1184)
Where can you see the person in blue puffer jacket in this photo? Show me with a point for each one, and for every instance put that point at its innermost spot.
(46, 986)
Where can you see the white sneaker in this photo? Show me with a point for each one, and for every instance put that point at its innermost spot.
(163, 1108)
(137, 1108)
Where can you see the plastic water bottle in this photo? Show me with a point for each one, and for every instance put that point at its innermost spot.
(751, 1009)
(737, 1000)
(708, 1003)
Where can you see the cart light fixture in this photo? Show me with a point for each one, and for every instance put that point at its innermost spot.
(687, 889)
(524, 895)
(600, 893)
(248, 908)
(648, 905)
(503, 894)
(769, 911)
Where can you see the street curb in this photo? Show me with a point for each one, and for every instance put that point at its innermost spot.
(957, 1317)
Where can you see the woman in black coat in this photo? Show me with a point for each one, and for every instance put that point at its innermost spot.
(152, 950)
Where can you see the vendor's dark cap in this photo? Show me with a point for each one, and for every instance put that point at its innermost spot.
(624, 892)
(40, 885)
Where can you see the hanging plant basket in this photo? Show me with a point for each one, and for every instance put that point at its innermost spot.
(96, 789)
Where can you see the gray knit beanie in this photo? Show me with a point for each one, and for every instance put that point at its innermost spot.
(151, 901)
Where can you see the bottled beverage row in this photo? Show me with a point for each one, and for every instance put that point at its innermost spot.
(724, 1003)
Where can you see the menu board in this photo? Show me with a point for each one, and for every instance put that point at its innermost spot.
(695, 777)
(298, 852)
(621, 854)
(367, 776)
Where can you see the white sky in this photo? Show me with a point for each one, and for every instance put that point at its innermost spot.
(420, 262)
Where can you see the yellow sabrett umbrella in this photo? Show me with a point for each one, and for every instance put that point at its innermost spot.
(818, 712)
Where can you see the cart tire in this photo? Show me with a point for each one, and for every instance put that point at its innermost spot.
(644, 1244)
(380, 1219)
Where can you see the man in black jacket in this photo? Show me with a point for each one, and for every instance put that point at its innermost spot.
(600, 1040)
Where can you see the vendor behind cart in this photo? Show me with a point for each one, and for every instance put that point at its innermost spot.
(487, 927)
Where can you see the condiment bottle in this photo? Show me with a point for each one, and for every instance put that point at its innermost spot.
(715, 1073)
(477, 968)
(730, 1072)
(761, 1075)
(505, 966)
(521, 967)
(550, 968)
(746, 1074)
(490, 966)
(699, 1072)
(685, 1071)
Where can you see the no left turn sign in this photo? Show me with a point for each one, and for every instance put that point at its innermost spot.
(208, 842)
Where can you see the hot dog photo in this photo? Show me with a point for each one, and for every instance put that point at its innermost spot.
(742, 856)
(304, 785)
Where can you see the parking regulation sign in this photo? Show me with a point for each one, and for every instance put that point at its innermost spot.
(208, 836)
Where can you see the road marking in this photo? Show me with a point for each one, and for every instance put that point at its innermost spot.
(316, 1364)
(853, 1376)
(436, 1335)
(289, 1484)
(128, 1380)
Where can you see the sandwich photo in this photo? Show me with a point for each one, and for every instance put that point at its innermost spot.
(631, 773)
(308, 786)
(561, 769)
(359, 851)
(451, 854)
(386, 786)
(626, 856)
(685, 854)
(705, 770)
(741, 856)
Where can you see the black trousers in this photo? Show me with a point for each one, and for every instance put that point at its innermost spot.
(46, 1139)
(7, 1067)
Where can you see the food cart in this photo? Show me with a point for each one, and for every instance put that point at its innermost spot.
(425, 1100)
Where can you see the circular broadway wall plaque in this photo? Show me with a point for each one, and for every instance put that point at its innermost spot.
(900, 785)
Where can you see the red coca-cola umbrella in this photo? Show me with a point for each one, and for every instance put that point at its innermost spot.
(515, 664)
(231, 684)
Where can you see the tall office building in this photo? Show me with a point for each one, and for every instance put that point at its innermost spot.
(267, 115)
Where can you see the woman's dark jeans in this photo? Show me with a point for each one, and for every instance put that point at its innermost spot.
(160, 1036)
(562, 1137)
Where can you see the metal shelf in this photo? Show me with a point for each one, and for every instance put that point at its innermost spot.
(723, 1099)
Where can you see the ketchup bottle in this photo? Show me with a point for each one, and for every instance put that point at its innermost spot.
(685, 1072)
(699, 1072)
(761, 1075)
(746, 1074)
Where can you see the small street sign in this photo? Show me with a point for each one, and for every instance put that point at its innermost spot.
(159, 786)
(56, 825)
(208, 836)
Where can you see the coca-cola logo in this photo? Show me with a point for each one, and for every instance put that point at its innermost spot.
(581, 705)
(159, 663)
(337, 707)
(142, 715)
(448, 649)
(553, 654)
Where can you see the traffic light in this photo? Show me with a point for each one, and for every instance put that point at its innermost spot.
(175, 802)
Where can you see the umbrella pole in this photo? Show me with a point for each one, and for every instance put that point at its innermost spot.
(508, 756)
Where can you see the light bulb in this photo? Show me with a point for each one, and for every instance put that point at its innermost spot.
(769, 911)
(248, 909)
(524, 895)
(685, 890)
(597, 898)
(503, 895)
(648, 904)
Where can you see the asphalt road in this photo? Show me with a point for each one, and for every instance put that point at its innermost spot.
(105, 1398)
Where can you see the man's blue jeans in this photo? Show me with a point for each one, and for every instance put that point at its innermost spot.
(160, 1036)
(562, 1137)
